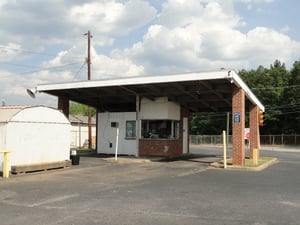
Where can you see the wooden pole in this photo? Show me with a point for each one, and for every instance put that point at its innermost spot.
(89, 78)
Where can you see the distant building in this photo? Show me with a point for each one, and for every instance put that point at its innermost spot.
(79, 131)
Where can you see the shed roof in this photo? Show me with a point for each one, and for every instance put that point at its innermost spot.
(7, 112)
(80, 119)
(34, 114)
(197, 91)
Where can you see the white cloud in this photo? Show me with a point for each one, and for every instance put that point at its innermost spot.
(40, 23)
(104, 67)
(205, 15)
(111, 18)
(201, 36)
(186, 36)
(9, 51)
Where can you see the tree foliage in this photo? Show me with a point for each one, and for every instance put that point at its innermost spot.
(279, 91)
(80, 109)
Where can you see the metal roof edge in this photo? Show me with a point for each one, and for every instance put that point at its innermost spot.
(191, 76)
(230, 75)
(240, 83)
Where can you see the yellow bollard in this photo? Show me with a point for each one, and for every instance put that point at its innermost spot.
(255, 156)
(224, 149)
(5, 164)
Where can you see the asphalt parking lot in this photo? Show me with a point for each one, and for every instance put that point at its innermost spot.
(185, 191)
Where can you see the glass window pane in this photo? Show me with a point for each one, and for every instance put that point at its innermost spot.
(130, 129)
(160, 129)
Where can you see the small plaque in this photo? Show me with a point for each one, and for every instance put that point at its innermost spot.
(237, 117)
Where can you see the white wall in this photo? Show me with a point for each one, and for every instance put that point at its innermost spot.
(161, 108)
(107, 134)
(80, 135)
(2, 142)
(38, 143)
(37, 135)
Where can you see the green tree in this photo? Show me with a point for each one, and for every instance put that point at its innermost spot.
(208, 123)
(291, 110)
(80, 109)
(268, 85)
(279, 91)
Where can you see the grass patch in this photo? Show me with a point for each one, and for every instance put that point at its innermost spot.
(86, 151)
(261, 161)
(249, 162)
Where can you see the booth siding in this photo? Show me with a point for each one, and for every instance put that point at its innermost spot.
(38, 137)
(161, 130)
(168, 148)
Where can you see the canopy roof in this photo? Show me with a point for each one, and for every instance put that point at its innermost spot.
(197, 91)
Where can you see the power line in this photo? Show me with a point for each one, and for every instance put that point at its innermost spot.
(29, 52)
(19, 65)
(49, 68)
(283, 113)
(84, 63)
(280, 87)
(42, 69)
(284, 106)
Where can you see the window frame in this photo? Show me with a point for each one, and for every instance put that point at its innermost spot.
(132, 129)
(171, 129)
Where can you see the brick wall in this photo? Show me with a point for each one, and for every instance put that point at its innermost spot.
(254, 129)
(160, 147)
(63, 105)
(152, 147)
(238, 126)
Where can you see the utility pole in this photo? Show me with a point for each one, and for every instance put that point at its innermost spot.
(89, 36)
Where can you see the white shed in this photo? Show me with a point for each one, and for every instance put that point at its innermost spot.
(34, 135)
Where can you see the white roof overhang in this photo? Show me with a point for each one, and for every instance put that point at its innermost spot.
(197, 91)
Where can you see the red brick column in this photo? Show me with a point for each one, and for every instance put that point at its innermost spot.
(238, 126)
(254, 130)
(63, 105)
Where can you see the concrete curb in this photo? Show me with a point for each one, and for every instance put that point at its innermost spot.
(219, 165)
(126, 160)
(281, 150)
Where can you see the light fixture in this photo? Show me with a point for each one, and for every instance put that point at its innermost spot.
(32, 92)
(230, 78)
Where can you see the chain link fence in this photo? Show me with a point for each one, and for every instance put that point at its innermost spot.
(283, 139)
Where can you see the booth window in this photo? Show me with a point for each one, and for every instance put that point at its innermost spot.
(160, 129)
(130, 129)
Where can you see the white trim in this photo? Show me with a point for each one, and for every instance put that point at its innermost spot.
(240, 83)
(136, 80)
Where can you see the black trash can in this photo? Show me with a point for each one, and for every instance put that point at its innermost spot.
(75, 159)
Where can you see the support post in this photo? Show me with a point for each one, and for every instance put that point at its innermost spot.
(238, 126)
(5, 165)
(137, 106)
(254, 130)
(117, 144)
(63, 105)
(255, 156)
(224, 149)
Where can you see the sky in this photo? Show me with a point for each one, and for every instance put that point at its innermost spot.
(44, 41)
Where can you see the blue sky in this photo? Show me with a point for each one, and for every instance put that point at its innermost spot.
(43, 41)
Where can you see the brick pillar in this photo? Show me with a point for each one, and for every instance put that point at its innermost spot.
(254, 130)
(63, 105)
(238, 126)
